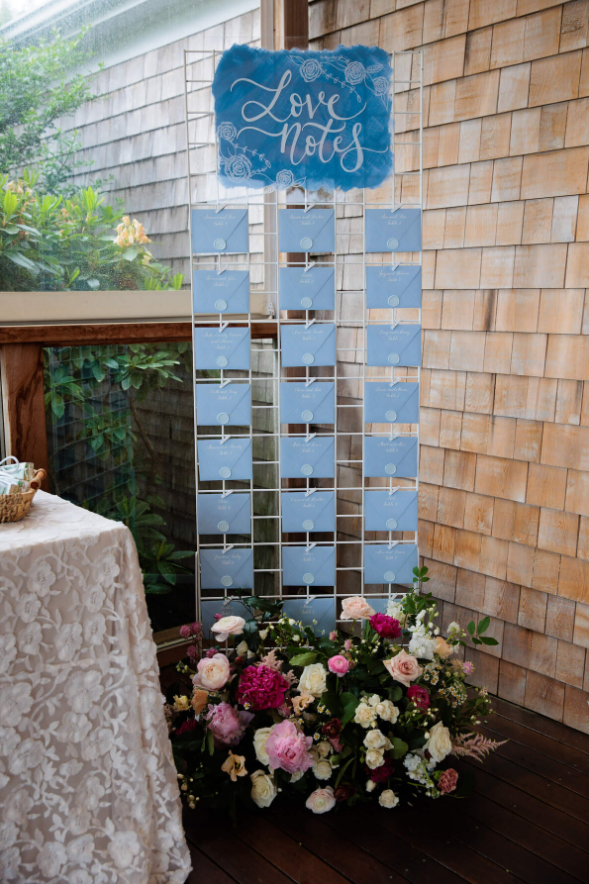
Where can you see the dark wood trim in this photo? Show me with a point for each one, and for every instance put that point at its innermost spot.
(296, 24)
(119, 333)
(24, 403)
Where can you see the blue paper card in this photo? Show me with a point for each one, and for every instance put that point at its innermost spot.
(218, 460)
(302, 404)
(219, 232)
(308, 567)
(394, 346)
(216, 514)
(393, 286)
(390, 457)
(313, 119)
(226, 292)
(310, 231)
(388, 231)
(386, 403)
(301, 459)
(312, 289)
(225, 608)
(395, 565)
(308, 346)
(390, 512)
(308, 512)
(217, 405)
(223, 570)
(229, 348)
(318, 613)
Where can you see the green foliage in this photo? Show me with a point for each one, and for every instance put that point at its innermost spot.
(36, 89)
(476, 632)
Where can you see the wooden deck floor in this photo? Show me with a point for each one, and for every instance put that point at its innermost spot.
(528, 821)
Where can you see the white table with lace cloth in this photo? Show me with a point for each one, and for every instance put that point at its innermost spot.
(88, 789)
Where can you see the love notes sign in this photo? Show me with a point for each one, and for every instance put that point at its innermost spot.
(313, 119)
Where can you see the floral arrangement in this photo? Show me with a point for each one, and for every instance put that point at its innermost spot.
(374, 713)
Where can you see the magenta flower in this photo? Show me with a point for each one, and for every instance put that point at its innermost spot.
(288, 748)
(419, 696)
(185, 631)
(227, 724)
(382, 773)
(261, 687)
(386, 626)
(448, 781)
(339, 665)
(188, 725)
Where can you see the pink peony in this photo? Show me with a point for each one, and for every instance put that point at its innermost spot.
(288, 748)
(261, 687)
(381, 774)
(448, 781)
(419, 696)
(386, 626)
(227, 724)
(403, 667)
(185, 631)
(338, 665)
(356, 608)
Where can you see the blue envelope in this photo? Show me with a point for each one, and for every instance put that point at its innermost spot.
(219, 232)
(312, 289)
(395, 565)
(308, 346)
(231, 404)
(311, 231)
(223, 570)
(306, 405)
(388, 231)
(390, 457)
(313, 512)
(394, 346)
(305, 611)
(299, 458)
(225, 607)
(390, 512)
(218, 460)
(386, 404)
(229, 348)
(216, 514)
(227, 292)
(313, 567)
(398, 287)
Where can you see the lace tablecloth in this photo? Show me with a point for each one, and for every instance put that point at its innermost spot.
(88, 790)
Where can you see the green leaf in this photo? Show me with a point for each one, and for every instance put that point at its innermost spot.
(304, 659)
(470, 627)
(489, 641)
(349, 711)
(484, 625)
(400, 747)
(130, 254)
(332, 701)
(210, 742)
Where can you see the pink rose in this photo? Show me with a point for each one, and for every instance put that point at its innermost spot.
(212, 673)
(448, 781)
(386, 626)
(333, 635)
(321, 800)
(403, 667)
(356, 608)
(348, 644)
(468, 668)
(227, 724)
(419, 696)
(227, 626)
(288, 748)
(338, 665)
(261, 687)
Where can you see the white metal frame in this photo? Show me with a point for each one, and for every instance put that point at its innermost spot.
(410, 85)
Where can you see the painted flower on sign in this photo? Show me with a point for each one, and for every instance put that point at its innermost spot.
(238, 168)
(227, 131)
(311, 69)
(354, 73)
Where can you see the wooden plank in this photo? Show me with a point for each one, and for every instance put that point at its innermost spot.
(203, 869)
(23, 402)
(117, 333)
(559, 732)
(296, 24)
(506, 729)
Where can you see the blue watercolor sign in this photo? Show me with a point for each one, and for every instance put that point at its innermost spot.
(313, 119)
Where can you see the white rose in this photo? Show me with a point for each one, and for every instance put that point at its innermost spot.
(227, 626)
(387, 711)
(241, 649)
(324, 748)
(321, 800)
(373, 700)
(263, 633)
(263, 788)
(388, 798)
(364, 715)
(322, 770)
(260, 740)
(374, 758)
(440, 743)
(370, 786)
(313, 679)
(375, 739)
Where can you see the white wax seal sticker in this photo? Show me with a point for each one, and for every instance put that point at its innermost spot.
(225, 472)
(392, 243)
(223, 417)
(306, 469)
(223, 526)
(308, 358)
(394, 358)
(391, 416)
(308, 524)
(394, 301)
(308, 578)
(220, 244)
(222, 361)
(391, 524)
(389, 576)
(220, 305)
(306, 243)
(227, 580)
(306, 303)
(307, 415)
(390, 469)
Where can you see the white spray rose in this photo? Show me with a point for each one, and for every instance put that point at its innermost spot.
(313, 679)
(260, 740)
(364, 715)
(374, 758)
(439, 744)
(263, 789)
(322, 769)
(388, 799)
(375, 739)
(387, 711)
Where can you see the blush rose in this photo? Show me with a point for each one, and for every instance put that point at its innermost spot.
(403, 667)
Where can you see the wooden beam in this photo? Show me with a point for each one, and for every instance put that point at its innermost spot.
(296, 24)
(119, 333)
(24, 402)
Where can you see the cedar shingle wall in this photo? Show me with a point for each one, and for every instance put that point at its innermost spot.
(505, 393)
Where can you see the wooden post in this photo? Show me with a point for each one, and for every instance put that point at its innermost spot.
(23, 402)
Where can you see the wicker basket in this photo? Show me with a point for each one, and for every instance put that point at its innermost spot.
(14, 507)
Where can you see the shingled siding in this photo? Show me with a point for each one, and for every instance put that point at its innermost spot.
(505, 399)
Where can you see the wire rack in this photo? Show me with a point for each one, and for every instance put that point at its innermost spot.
(350, 317)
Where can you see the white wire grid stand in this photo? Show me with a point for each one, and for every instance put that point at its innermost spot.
(199, 116)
